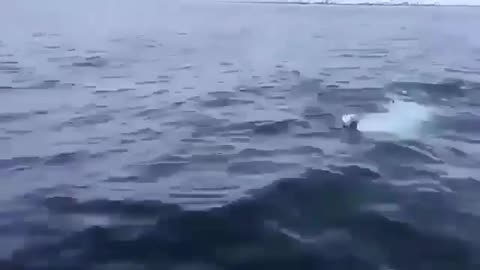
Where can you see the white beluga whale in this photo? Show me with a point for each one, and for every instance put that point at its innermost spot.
(350, 120)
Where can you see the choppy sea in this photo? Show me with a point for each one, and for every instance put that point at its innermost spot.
(182, 135)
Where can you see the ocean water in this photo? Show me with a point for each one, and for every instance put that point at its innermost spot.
(201, 135)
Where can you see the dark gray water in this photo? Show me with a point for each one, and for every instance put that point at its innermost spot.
(157, 135)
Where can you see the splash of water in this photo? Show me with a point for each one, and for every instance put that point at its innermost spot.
(403, 119)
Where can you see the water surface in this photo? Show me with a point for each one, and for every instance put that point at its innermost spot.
(161, 135)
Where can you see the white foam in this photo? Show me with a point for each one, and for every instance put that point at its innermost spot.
(403, 119)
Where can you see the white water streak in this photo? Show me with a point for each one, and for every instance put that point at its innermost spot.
(403, 119)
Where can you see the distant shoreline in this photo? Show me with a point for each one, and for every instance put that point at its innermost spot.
(346, 4)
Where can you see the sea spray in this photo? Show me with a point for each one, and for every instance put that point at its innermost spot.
(403, 119)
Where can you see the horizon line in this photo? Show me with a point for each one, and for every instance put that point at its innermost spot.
(277, 2)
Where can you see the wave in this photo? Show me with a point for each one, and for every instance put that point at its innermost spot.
(320, 220)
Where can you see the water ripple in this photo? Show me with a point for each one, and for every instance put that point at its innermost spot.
(172, 142)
